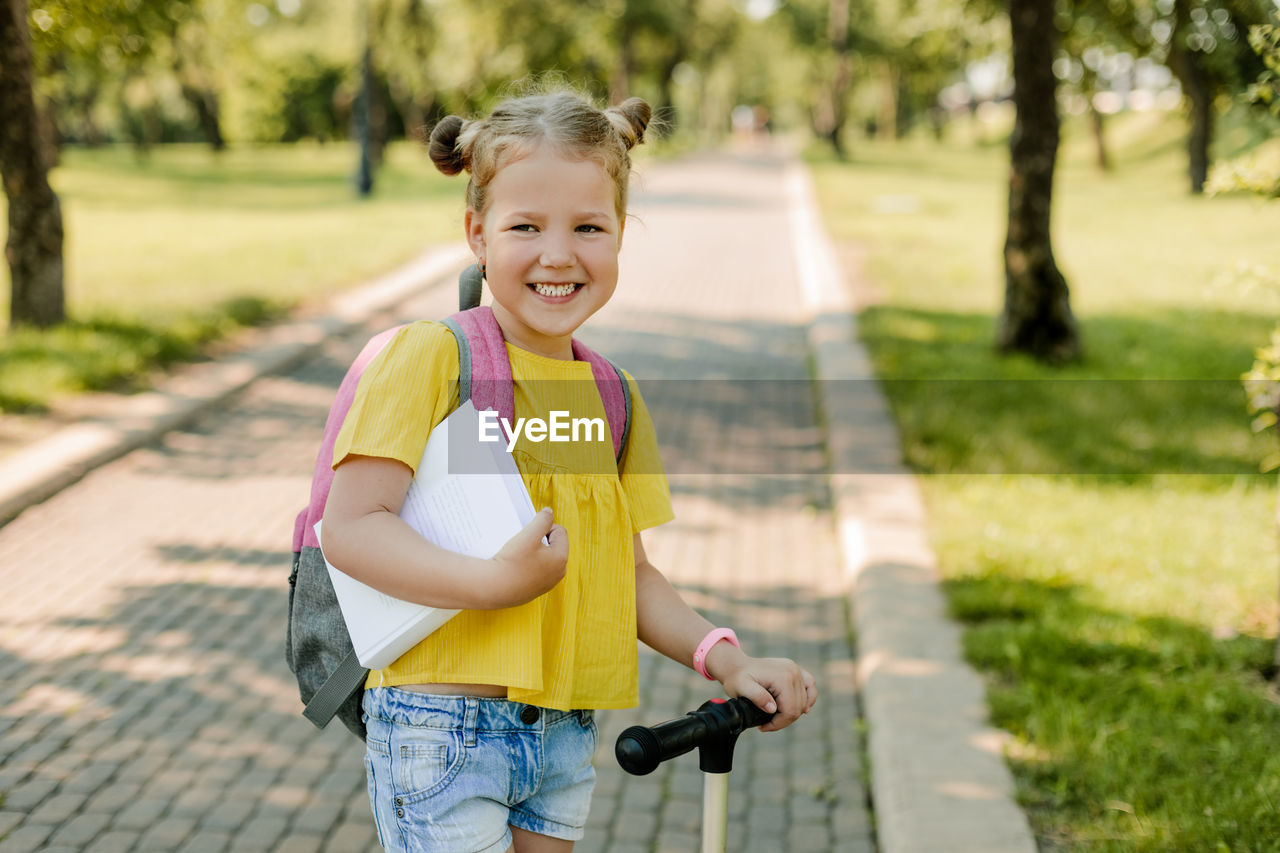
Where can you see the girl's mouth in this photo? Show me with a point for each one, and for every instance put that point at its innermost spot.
(554, 291)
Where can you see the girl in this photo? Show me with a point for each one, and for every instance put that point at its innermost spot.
(480, 739)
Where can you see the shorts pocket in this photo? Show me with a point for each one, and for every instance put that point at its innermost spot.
(424, 760)
(588, 722)
(377, 766)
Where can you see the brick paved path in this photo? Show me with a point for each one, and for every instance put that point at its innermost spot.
(144, 702)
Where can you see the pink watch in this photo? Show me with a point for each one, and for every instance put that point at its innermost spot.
(700, 655)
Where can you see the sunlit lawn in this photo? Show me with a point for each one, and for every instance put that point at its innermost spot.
(1102, 528)
(168, 253)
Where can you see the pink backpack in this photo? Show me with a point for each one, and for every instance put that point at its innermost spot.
(317, 646)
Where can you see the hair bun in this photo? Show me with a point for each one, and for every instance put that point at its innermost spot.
(630, 118)
(444, 149)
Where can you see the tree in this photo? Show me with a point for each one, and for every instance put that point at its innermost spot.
(1037, 317)
(34, 247)
(833, 33)
(1208, 56)
(188, 38)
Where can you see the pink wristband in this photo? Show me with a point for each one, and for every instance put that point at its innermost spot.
(713, 637)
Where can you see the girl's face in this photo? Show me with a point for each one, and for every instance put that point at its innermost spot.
(550, 242)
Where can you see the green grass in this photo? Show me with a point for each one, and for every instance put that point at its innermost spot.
(166, 254)
(1102, 529)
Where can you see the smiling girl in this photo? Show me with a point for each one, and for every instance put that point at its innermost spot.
(480, 739)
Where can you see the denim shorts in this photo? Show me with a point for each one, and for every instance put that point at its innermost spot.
(451, 774)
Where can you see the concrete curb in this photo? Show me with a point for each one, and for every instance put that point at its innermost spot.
(46, 467)
(938, 777)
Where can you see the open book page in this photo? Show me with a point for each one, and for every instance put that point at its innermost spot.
(467, 496)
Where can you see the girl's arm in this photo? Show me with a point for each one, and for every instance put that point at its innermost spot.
(365, 537)
(668, 625)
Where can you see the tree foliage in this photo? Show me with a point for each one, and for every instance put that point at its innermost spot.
(1265, 41)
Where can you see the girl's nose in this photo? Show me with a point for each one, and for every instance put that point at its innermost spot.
(556, 253)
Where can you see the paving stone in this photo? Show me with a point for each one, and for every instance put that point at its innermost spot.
(590, 844)
(28, 795)
(167, 834)
(631, 846)
(298, 843)
(809, 836)
(80, 830)
(91, 778)
(206, 841)
(226, 815)
(115, 841)
(142, 812)
(350, 836)
(113, 798)
(27, 838)
(56, 809)
(8, 820)
(672, 841)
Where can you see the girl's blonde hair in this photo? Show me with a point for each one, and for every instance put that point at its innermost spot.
(566, 120)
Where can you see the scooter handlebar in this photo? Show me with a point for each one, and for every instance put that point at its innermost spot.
(714, 727)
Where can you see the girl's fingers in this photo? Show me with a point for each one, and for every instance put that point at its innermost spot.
(762, 698)
(810, 690)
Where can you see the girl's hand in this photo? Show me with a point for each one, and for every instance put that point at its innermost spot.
(773, 684)
(528, 567)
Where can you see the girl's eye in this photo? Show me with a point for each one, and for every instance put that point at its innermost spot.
(524, 226)
(590, 228)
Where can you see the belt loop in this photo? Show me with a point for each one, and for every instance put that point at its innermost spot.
(471, 712)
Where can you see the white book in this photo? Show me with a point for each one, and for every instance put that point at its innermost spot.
(467, 496)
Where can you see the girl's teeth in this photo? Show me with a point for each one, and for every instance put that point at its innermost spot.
(554, 289)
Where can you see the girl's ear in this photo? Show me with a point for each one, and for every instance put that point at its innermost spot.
(474, 224)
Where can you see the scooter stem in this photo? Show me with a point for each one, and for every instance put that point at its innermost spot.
(715, 812)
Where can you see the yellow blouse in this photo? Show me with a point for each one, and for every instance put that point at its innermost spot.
(574, 646)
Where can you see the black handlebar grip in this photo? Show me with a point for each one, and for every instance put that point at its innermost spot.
(641, 749)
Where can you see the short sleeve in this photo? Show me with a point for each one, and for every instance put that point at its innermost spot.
(410, 386)
(644, 482)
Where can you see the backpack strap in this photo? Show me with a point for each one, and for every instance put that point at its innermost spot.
(335, 691)
(484, 371)
(615, 393)
(322, 476)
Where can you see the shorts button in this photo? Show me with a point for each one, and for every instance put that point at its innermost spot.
(399, 801)
(399, 812)
(529, 715)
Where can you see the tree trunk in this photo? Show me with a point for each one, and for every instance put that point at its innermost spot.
(1037, 317)
(1198, 87)
(1098, 121)
(34, 248)
(666, 98)
(197, 91)
(205, 103)
(1199, 90)
(842, 76)
(364, 131)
